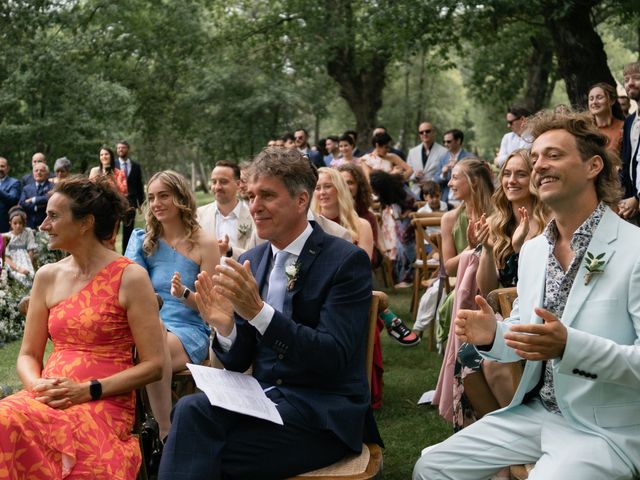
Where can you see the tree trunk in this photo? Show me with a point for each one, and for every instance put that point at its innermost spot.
(539, 83)
(582, 60)
(361, 85)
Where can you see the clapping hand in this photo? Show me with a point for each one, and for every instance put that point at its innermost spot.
(177, 288)
(521, 231)
(477, 327)
(534, 341)
(214, 308)
(235, 282)
(223, 245)
(482, 232)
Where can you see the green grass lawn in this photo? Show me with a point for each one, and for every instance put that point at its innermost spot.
(405, 427)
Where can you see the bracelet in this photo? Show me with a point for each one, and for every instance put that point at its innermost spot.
(185, 293)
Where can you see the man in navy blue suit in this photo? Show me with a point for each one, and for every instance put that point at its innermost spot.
(305, 341)
(9, 194)
(35, 196)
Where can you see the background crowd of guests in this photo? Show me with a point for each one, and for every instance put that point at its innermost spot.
(302, 331)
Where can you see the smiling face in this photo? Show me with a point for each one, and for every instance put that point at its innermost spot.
(326, 194)
(279, 217)
(599, 103)
(224, 186)
(632, 84)
(105, 158)
(161, 201)
(459, 185)
(346, 149)
(351, 183)
(516, 179)
(59, 223)
(560, 174)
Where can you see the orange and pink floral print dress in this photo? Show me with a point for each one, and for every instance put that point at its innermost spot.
(91, 339)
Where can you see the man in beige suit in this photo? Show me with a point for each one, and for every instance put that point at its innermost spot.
(227, 217)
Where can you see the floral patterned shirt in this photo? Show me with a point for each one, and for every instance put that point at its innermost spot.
(558, 285)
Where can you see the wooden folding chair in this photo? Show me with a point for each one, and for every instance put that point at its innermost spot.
(385, 270)
(501, 301)
(426, 266)
(368, 464)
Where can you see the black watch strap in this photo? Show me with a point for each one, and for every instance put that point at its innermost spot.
(95, 389)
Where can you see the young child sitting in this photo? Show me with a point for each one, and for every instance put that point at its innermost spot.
(431, 193)
(21, 248)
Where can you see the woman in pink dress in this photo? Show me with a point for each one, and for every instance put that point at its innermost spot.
(75, 416)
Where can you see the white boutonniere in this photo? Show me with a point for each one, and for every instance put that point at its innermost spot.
(292, 271)
(243, 229)
(594, 264)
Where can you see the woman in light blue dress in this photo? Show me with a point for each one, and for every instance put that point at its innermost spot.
(174, 249)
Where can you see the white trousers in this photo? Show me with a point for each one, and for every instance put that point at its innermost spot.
(524, 434)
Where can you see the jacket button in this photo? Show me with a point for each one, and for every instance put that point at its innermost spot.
(279, 381)
(280, 356)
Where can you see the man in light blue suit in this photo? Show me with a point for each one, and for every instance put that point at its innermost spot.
(576, 412)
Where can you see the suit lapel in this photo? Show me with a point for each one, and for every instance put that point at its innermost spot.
(308, 255)
(601, 242)
(260, 272)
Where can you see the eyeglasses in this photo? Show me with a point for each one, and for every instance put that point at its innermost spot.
(447, 142)
(511, 122)
(424, 132)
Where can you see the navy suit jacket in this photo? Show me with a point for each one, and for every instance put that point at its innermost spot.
(10, 189)
(135, 184)
(314, 351)
(629, 163)
(36, 211)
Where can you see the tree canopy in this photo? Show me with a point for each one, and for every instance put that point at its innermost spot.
(202, 80)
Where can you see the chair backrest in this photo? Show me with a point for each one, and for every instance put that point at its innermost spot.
(426, 214)
(501, 300)
(371, 332)
(421, 224)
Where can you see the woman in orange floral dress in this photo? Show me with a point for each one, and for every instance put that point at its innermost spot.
(74, 418)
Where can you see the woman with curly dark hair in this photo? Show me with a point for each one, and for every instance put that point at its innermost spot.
(174, 249)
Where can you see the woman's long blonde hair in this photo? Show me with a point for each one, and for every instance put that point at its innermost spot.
(183, 199)
(478, 175)
(347, 213)
(503, 221)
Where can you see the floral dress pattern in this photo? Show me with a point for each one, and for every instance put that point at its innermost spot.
(18, 249)
(91, 339)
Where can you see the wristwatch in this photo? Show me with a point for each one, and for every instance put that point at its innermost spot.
(95, 389)
(185, 293)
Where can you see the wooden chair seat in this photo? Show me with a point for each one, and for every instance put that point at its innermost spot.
(367, 464)
(364, 466)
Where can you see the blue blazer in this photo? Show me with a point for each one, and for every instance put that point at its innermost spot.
(36, 211)
(314, 351)
(597, 380)
(10, 190)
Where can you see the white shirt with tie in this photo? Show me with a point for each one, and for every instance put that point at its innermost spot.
(262, 320)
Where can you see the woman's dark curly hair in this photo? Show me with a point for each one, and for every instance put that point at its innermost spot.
(95, 197)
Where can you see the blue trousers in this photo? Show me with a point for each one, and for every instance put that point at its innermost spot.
(208, 442)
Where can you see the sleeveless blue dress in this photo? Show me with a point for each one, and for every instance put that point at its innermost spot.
(178, 318)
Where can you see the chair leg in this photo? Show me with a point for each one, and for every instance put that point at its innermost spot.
(432, 332)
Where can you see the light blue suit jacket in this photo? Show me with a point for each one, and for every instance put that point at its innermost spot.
(597, 380)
